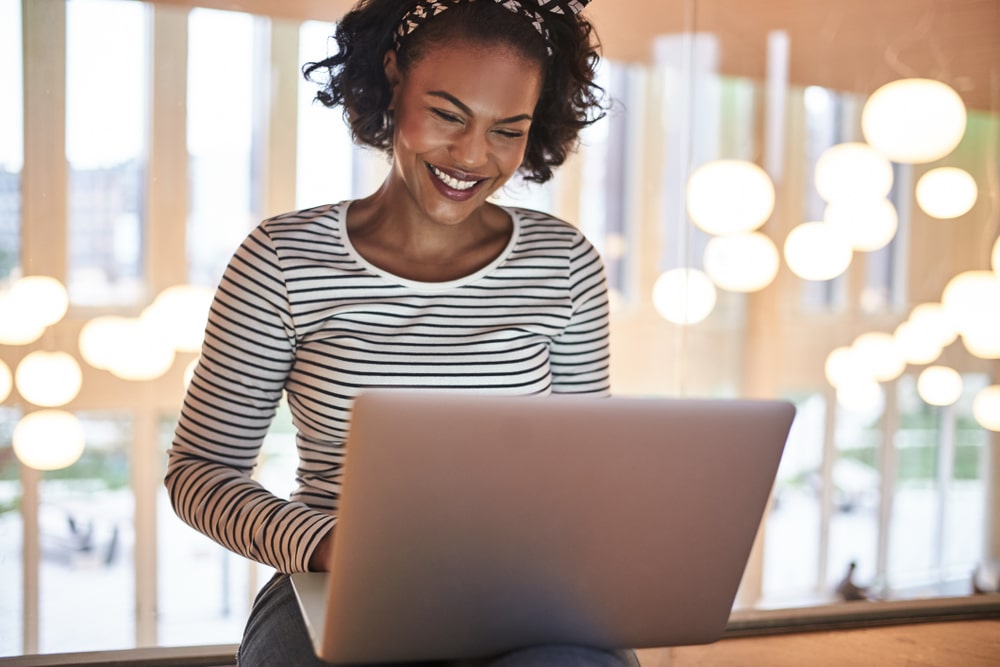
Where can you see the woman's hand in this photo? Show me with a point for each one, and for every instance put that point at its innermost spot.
(320, 559)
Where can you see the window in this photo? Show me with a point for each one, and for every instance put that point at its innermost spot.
(11, 527)
(203, 589)
(11, 136)
(792, 528)
(940, 495)
(606, 149)
(86, 536)
(222, 82)
(106, 111)
(325, 170)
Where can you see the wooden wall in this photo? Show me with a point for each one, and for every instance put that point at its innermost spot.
(854, 45)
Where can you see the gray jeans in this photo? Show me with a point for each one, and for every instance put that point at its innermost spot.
(276, 636)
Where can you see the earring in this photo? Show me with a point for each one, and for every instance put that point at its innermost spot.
(387, 121)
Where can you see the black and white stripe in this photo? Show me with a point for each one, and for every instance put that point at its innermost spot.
(299, 311)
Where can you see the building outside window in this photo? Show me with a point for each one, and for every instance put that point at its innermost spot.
(106, 117)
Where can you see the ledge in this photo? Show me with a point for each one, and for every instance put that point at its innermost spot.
(861, 614)
(223, 655)
(742, 623)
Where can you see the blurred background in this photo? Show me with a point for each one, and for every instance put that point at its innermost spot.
(794, 198)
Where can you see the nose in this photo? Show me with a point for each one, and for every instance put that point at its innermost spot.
(470, 148)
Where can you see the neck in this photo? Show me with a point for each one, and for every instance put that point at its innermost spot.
(397, 237)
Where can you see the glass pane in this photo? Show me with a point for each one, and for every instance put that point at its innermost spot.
(86, 519)
(106, 80)
(220, 138)
(914, 535)
(965, 494)
(11, 136)
(940, 502)
(604, 152)
(10, 539)
(856, 488)
(203, 589)
(326, 153)
(791, 530)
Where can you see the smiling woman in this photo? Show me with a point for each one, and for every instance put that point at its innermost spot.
(423, 284)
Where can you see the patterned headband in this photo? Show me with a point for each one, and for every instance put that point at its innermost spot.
(427, 9)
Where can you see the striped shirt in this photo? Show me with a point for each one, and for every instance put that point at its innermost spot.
(299, 312)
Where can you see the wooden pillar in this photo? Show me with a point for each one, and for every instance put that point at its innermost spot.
(43, 226)
(279, 126)
(167, 186)
(145, 480)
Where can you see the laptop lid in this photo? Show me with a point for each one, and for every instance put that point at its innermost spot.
(472, 524)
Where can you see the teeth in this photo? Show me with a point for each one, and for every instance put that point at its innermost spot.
(452, 182)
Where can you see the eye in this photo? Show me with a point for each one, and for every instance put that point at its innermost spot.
(510, 134)
(445, 116)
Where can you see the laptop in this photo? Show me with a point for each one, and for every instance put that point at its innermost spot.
(471, 525)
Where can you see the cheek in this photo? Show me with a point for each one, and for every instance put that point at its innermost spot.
(513, 155)
(415, 133)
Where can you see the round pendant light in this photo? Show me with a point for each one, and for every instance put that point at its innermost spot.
(939, 385)
(48, 379)
(931, 319)
(742, 262)
(877, 351)
(684, 296)
(946, 192)
(986, 407)
(44, 296)
(971, 300)
(729, 197)
(914, 120)
(17, 324)
(817, 251)
(917, 346)
(868, 224)
(179, 313)
(48, 439)
(852, 171)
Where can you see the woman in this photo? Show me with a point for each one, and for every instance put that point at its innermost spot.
(424, 283)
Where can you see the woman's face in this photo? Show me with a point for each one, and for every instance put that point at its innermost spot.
(462, 115)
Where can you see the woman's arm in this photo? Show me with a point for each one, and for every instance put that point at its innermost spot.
(248, 351)
(580, 355)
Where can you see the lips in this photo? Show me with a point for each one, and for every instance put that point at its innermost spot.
(457, 186)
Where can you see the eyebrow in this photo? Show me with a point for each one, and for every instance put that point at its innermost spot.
(466, 110)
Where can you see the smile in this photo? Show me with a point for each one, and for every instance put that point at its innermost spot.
(451, 181)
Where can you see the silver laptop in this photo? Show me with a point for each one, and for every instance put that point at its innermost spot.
(471, 525)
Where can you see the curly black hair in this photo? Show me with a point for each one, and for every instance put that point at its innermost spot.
(354, 77)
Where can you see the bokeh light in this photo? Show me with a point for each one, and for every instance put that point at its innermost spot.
(914, 120)
(939, 385)
(817, 251)
(684, 296)
(729, 197)
(742, 262)
(946, 192)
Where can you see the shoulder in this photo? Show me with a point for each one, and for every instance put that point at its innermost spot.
(540, 226)
(316, 220)
(295, 239)
(543, 231)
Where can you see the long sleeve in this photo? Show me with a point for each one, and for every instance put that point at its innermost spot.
(248, 351)
(580, 356)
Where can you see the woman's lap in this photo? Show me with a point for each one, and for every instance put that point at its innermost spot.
(276, 636)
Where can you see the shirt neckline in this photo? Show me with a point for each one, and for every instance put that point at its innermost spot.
(420, 285)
